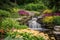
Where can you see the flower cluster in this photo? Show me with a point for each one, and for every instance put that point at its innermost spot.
(48, 14)
(47, 11)
(48, 19)
(57, 14)
(32, 32)
(23, 12)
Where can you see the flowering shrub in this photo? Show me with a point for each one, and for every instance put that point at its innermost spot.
(47, 14)
(48, 19)
(23, 12)
(57, 14)
(27, 34)
(47, 11)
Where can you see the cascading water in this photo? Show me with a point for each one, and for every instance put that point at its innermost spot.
(33, 24)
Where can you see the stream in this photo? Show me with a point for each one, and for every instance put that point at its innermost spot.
(34, 25)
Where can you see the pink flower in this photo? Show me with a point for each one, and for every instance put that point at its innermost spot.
(23, 12)
(48, 14)
(57, 14)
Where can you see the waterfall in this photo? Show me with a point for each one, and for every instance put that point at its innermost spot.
(33, 24)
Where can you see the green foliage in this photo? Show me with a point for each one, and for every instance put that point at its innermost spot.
(14, 12)
(46, 3)
(4, 13)
(35, 7)
(54, 9)
(27, 1)
(23, 36)
(7, 4)
(57, 20)
(23, 26)
(10, 38)
(10, 23)
(14, 15)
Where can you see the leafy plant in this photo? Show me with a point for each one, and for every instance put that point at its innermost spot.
(57, 20)
(35, 7)
(47, 11)
(48, 19)
(23, 26)
(24, 36)
(4, 13)
(10, 38)
(10, 23)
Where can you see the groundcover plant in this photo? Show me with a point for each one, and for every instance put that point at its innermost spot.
(15, 15)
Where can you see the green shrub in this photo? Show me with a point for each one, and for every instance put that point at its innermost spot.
(57, 20)
(10, 23)
(23, 26)
(54, 9)
(15, 15)
(14, 12)
(4, 13)
(35, 7)
(48, 21)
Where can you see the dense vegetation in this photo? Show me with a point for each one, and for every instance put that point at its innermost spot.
(9, 4)
(10, 9)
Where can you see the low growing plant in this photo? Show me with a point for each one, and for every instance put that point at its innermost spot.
(23, 36)
(48, 19)
(57, 20)
(10, 23)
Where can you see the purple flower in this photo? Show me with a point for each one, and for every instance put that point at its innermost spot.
(57, 14)
(48, 14)
(23, 12)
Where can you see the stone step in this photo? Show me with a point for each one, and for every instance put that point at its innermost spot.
(56, 32)
(57, 37)
(53, 38)
(40, 29)
(57, 26)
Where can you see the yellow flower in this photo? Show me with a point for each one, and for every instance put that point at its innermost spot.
(47, 11)
(48, 19)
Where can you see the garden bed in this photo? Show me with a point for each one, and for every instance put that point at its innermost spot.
(33, 32)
